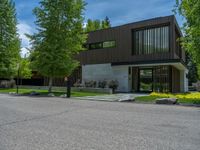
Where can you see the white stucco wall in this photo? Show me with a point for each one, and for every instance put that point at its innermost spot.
(99, 72)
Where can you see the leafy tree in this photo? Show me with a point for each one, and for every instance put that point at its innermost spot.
(192, 67)
(97, 24)
(190, 10)
(59, 37)
(89, 26)
(25, 71)
(9, 39)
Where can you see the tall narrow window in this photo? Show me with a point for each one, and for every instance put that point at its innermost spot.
(153, 40)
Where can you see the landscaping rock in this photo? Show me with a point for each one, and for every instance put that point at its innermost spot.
(126, 99)
(51, 95)
(166, 101)
(63, 96)
(33, 93)
(12, 93)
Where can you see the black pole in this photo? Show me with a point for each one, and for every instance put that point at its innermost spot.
(68, 88)
(18, 81)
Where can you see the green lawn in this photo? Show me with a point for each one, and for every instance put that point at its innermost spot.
(151, 99)
(45, 92)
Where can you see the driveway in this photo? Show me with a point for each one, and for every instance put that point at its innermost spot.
(111, 97)
(60, 124)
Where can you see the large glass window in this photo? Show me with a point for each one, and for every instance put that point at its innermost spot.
(146, 80)
(153, 40)
(161, 79)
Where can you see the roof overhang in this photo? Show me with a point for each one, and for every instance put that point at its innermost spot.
(177, 63)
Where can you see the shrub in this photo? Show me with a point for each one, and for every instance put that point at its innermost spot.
(102, 84)
(195, 95)
(7, 84)
(197, 86)
(113, 84)
(78, 83)
(91, 84)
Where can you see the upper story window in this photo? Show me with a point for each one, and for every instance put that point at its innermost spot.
(101, 45)
(149, 41)
(95, 46)
(109, 44)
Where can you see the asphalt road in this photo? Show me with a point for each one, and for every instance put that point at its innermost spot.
(59, 124)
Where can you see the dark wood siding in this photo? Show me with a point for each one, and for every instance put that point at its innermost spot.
(123, 37)
(175, 80)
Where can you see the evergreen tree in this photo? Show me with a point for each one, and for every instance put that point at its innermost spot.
(97, 24)
(59, 37)
(106, 23)
(9, 39)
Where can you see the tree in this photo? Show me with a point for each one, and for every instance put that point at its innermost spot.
(192, 67)
(9, 39)
(106, 23)
(59, 38)
(24, 71)
(97, 24)
(93, 25)
(190, 10)
(89, 26)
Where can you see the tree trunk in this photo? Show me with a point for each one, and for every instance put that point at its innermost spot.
(50, 84)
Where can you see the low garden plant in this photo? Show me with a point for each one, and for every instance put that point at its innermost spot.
(189, 98)
(45, 92)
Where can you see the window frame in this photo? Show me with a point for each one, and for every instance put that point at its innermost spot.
(102, 45)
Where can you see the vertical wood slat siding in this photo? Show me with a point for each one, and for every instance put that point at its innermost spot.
(175, 80)
(123, 37)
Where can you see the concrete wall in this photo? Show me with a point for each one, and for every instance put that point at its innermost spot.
(183, 80)
(121, 74)
(100, 72)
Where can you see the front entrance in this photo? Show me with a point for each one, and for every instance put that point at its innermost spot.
(145, 80)
(155, 78)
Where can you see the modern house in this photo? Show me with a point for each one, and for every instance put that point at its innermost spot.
(142, 56)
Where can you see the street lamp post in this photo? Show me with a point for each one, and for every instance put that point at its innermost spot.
(17, 78)
(68, 88)
(68, 94)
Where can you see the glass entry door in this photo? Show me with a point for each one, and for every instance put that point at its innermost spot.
(146, 80)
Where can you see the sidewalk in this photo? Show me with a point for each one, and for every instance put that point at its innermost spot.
(111, 98)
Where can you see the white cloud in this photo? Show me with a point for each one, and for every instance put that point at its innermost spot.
(24, 28)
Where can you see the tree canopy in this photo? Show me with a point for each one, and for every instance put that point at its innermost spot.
(9, 39)
(59, 38)
(190, 10)
(93, 25)
(192, 67)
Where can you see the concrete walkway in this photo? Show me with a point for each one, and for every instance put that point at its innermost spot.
(111, 97)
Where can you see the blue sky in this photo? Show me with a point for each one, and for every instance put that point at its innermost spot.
(119, 11)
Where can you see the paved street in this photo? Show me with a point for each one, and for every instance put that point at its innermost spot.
(60, 124)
